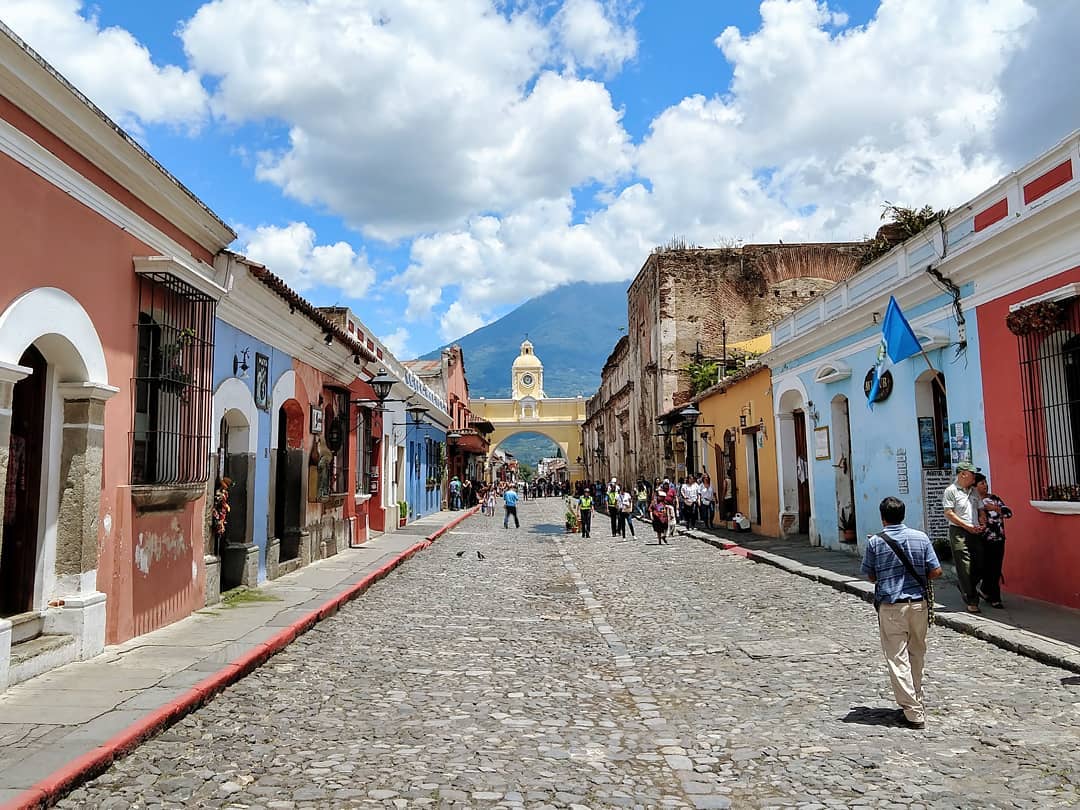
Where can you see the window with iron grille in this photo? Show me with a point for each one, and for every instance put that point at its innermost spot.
(364, 449)
(1050, 368)
(336, 433)
(172, 387)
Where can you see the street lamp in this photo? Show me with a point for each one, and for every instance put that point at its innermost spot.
(382, 383)
(416, 411)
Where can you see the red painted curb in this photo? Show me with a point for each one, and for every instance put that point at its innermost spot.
(56, 785)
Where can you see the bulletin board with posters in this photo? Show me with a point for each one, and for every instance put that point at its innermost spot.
(960, 442)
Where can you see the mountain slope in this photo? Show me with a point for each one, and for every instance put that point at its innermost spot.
(573, 329)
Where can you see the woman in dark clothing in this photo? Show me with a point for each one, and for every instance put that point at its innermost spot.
(996, 513)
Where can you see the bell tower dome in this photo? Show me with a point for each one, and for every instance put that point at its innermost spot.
(527, 374)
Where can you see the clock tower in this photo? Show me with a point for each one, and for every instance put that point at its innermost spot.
(527, 375)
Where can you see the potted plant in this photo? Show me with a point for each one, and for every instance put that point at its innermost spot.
(571, 518)
(403, 513)
(847, 525)
(174, 378)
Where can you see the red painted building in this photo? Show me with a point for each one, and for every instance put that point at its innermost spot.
(1028, 325)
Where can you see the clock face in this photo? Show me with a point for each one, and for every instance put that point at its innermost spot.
(526, 379)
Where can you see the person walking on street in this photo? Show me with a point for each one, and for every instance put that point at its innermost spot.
(455, 493)
(585, 509)
(510, 500)
(689, 493)
(900, 599)
(961, 505)
(658, 511)
(996, 513)
(669, 503)
(706, 502)
(626, 513)
(489, 501)
(612, 503)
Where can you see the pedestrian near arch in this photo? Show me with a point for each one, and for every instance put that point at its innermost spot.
(510, 501)
(585, 510)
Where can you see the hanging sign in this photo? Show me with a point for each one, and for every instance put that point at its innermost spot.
(884, 389)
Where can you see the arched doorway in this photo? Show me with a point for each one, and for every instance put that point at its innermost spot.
(794, 464)
(728, 485)
(236, 464)
(289, 479)
(22, 498)
(842, 467)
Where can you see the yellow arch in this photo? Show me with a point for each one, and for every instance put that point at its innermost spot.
(558, 418)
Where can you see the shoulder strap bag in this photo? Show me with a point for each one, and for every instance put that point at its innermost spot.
(924, 582)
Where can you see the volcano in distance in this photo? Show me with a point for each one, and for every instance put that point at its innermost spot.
(573, 329)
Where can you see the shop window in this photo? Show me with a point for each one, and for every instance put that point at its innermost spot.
(363, 449)
(931, 408)
(336, 433)
(172, 386)
(1050, 367)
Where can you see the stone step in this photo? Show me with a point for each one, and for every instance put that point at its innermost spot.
(39, 655)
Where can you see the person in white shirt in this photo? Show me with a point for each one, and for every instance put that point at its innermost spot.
(961, 505)
(626, 512)
(691, 494)
(706, 501)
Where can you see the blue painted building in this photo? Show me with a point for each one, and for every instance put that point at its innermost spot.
(836, 457)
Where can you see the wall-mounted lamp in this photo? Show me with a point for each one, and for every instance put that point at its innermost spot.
(240, 364)
(877, 317)
(742, 420)
(812, 412)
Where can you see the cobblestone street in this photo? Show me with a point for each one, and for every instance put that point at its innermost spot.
(561, 672)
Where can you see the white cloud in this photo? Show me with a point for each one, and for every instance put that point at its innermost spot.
(291, 252)
(459, 320)
(398, 343)
(597, 36)
(407, 116)
(108, 65)
(819, 126)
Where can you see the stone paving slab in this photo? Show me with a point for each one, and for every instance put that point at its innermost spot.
(1039, 630)
(563, 673)
(49, 721)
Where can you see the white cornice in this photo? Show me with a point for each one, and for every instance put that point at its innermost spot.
(147, 265)
(46, 165)
(36, 88)
(258, 311)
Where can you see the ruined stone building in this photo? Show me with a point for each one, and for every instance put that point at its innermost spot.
(688, 304)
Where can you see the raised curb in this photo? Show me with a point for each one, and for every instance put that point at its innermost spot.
(54, 787)
(1021, 642)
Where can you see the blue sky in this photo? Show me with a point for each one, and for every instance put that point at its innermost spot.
(432, 165)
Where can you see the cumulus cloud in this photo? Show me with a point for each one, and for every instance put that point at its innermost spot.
(398, 343)
(291, 253)
(407, 116)
(820, 125)
(108, 65)
(597, 36)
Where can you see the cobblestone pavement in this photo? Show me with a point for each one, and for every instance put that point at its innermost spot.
(570, 673)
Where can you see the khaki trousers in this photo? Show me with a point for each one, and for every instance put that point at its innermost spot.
(903, 641)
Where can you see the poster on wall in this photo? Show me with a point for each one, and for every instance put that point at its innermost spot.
(316, 419)
(821, 443)
(262, 381)
(928, 444)
(960, 440)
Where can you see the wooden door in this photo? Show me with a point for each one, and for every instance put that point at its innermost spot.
(802, 472)
(19, 549)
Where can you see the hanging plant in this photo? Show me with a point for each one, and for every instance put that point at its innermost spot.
(219, 515)
(1045, 316)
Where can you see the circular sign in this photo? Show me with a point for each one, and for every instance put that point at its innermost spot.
(526, 379)
(884, 389)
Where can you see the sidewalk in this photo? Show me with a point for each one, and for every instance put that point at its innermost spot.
(67, 725)
(1046, 632)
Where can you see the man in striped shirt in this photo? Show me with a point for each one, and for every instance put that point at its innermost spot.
(901, 604)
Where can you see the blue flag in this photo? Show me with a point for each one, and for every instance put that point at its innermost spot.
(898, 342)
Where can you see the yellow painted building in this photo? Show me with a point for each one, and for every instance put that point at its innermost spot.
(741, 447)
(530, 410)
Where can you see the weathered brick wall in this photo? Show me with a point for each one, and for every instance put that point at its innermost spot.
(680, 302)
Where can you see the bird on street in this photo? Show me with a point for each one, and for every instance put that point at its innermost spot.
(479, 556)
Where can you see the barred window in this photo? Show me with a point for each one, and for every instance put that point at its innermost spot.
(336, 434)
(172, 385)
(364, 449)
(1050, 367)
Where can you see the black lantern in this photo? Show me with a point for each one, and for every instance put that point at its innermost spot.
(452, 437)
(381, 383)
(416, 412)
(690, 414)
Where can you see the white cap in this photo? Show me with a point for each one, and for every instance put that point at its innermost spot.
(614, 480)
